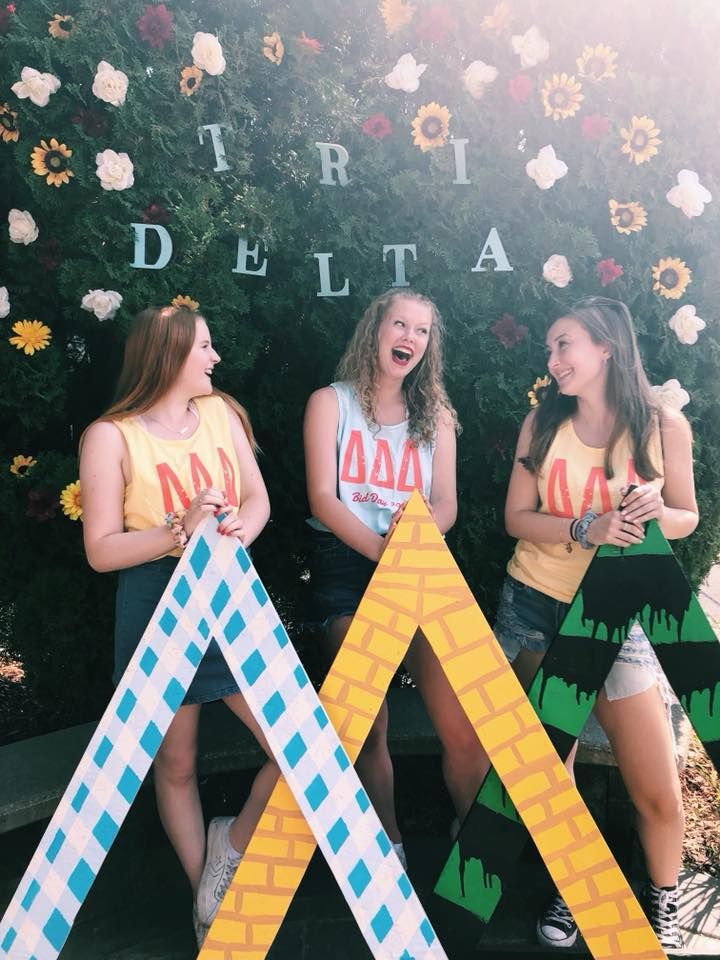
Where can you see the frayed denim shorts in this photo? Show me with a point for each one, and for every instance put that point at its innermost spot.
(338, 577)
(528, 620)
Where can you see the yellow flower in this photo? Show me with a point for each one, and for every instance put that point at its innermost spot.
(71, 501)
(52, 161)
(561, 96)
(8, 128)
(671, 277)
(540, 384)
(21, 465)
(628, 217)
(641, 139)
(597, 62)
(61, 26)
(396, 14)
(183, 301)
(31, 336)
(498, 19)
(190, 78)
(431, 126)
(274, 48)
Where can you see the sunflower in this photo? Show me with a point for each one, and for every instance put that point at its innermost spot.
(561, 96)
(396, 14)
(628, 217)
(598, 62)
(8, 128)
(641, 139)
(431, 126)
(71, 501)
(190, 78)
(540, 384)
(61, 26)
(52, 161)
(274, 48)
(31, 336)
(181, 300)
(21, 466)
(671, 277)
(496, 21)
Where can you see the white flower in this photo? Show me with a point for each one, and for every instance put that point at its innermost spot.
(672, 394)
(556, 270)
(38, 86)
(103, 303)
(4, 302)
(207, 53)
(477, 77)
(686, 324)
(115, 170)
(546, 168)
(531, 46)
(23, 228)
(406, 73)
(689, 195)
(110, 84)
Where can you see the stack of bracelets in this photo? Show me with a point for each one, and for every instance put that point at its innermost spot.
(579, 528)
(174, 523)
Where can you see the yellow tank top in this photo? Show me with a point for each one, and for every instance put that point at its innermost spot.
(570, 482)
(167, 474)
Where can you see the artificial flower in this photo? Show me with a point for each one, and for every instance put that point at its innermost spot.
(190, 80)
(608, 271)
(377, 126)
(431, 126)
(273, 49)
(496, 21)
(31, 335)
(406, 73)
(629, 217)
(531, 47)
(110, 85)
(115, 170)
(23, 228)
(4, 303)
(42, 504)
(597, 62)
(309, 44)
(50, 256)
(21, 465)
(155, 213)
(477, 78)
(93, 122)
(594, 126)
(8, 127)
(61, 26)
(5, 14)
(207, 53)
(71, 501)
(434, 23)
(671, 276)
(508, 332)
(641, 139)
(556, 270)
(155, 26)
(671, 394)
(520, 87)
(181, 300)
(686, 324)
(561, 96)
(689, 195)
(37, 86)
(103, 303)
(546, 168)
(52, 162)
(396, 14)
(536, 391)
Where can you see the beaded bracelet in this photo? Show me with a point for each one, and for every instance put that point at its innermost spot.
(581, 529)
(174, 523)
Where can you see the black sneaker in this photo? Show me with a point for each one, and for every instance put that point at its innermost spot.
(661, 905)
(556, 927)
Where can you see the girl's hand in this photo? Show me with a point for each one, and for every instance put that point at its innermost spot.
(642, 504)
(615, 528)
(394, 520)
(231, 525)
(207, 501)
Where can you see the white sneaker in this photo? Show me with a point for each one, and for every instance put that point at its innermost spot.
(400, 851)
(221, 862)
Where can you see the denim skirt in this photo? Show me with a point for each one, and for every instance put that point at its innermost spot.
(338, 576)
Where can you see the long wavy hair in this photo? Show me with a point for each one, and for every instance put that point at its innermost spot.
(423, 388)
(157, 346)
(627, 390)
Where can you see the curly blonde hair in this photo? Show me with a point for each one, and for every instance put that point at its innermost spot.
(425, 396)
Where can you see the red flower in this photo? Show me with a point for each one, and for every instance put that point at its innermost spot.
(520, 87)
(93, 122)
(434, 23)
(155, 26)
(595, 126)
(309, 44)
(42, 504)
(155, 213)
(50, 255)
(5, 14)
(608, 271)
(377, 126)
(508, 332)
(10, 8)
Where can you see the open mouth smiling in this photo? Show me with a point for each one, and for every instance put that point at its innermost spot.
(401, 355)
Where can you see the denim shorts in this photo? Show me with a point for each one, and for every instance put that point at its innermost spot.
(338, 577)
(528, 619)
(138, 593)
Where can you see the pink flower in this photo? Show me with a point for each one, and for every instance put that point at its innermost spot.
(155, 26)
(508, 332)
(155, 213)
(50, 255)
(608, 271)
(520, 87)
(594, 126)
(309, 44)
(5, 14)
(377, 126)
(434, 23)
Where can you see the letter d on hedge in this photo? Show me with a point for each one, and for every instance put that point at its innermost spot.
(166, 247)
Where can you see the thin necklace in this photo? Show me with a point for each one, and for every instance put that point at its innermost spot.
(180, 433)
